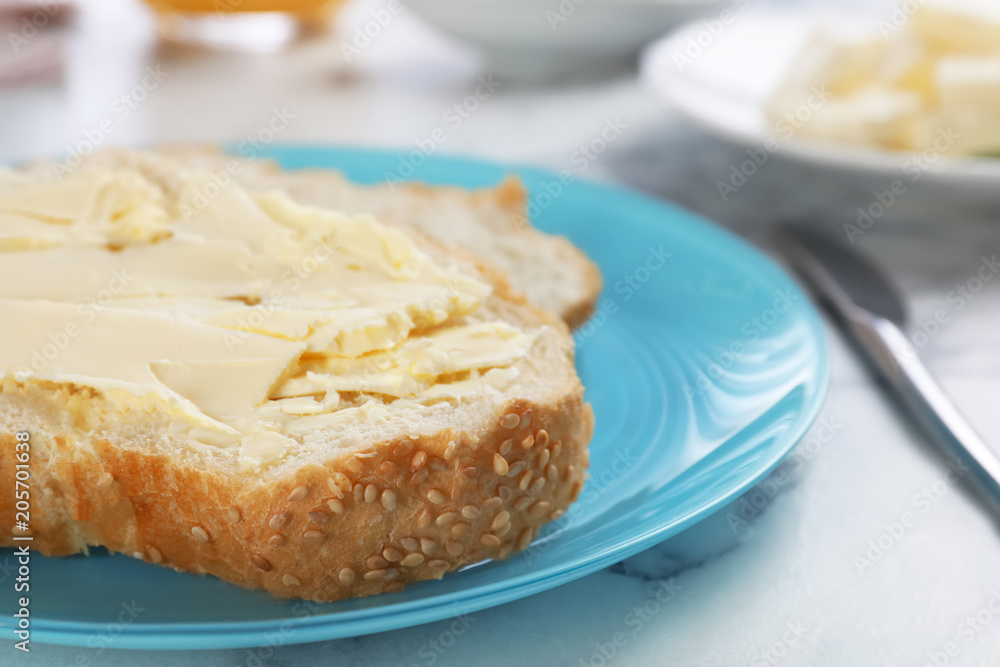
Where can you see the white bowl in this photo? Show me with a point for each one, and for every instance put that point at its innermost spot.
(539, 39)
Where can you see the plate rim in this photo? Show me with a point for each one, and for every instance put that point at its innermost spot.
(321, 627)
(858, 159)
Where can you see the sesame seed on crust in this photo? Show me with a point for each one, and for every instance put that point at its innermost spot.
(314, 536)
(389, 499)
(500, 466)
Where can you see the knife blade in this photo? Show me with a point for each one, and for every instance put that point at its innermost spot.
(867, 306)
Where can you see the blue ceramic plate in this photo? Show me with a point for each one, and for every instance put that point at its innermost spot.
(704, 364)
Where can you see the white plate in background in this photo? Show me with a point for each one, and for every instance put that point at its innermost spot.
(543, 39)
(722, 78)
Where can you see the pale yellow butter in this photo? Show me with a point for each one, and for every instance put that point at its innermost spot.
(248, 319)
(937, 72)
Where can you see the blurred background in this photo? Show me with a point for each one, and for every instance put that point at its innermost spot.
(564, 84)
(371, 72)
(527, 81)
(540, 82)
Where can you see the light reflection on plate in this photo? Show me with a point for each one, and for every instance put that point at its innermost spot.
(704, 368)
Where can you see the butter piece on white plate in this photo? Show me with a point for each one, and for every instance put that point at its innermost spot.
(870, 80)
(837, 64)
(969, 83)
(965, 131)
(959, 26)
(907, 65)
(875, 115)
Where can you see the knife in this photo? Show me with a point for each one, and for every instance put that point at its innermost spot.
(868, 307)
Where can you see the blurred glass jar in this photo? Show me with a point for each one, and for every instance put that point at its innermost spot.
(245, 25)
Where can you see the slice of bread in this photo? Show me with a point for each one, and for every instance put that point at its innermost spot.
(492, 222)
(401, 489)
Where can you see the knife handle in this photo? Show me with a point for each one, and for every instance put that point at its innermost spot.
(898, 362)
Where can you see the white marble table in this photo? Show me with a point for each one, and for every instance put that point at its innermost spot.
(786, 588)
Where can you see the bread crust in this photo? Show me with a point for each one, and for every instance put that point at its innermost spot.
(355, 522)
(360, 522)
(509, 196)
(575, 314)
(403, 511)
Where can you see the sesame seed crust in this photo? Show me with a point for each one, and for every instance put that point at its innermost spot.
(500, 465)
(411, 509)
(153, 496)
(412, 559)
(314, 536)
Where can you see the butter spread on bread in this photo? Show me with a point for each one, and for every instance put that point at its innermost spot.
(315, 392)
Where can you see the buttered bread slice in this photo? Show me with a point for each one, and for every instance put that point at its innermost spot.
(280, 395)
(493, 223)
